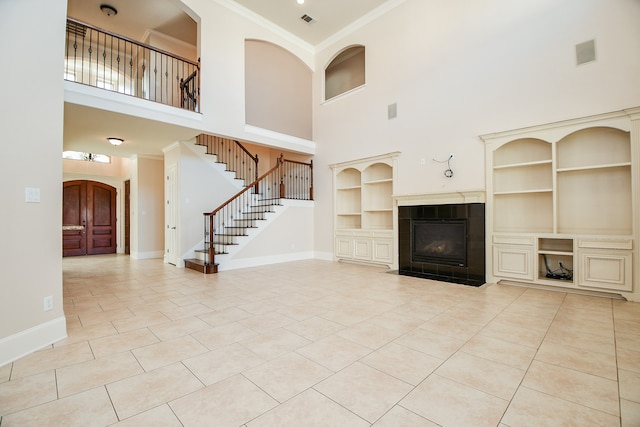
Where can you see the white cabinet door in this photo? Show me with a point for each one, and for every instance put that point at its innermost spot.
(362, 249)
(344, 247)
(605, 269)
(383, 250)
(514, 262)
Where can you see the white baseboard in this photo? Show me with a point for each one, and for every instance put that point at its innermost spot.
(23, 343)
(258, 261)
(147, 255)
(325, 256)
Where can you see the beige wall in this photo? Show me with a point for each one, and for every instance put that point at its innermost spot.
(201, 188)
(31, 119)
(147, 208)
(119, 167)
(277, 90)
(169, 44)
(465, 69)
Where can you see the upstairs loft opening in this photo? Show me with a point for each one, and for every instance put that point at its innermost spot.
(146, 49)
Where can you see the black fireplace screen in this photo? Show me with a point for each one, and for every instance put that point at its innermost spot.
(441, 241)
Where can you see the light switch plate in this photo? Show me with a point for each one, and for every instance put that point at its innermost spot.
(32, 195)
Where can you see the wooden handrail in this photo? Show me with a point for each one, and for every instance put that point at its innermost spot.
(285, 181)
(255, 158)
(219, 146)
(244, 190)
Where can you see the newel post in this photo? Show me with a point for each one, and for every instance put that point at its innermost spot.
(181, 93)
(311, 180)
(212, 252)
(281, 173)
(256, 189)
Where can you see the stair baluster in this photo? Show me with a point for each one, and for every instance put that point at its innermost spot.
(224, 225)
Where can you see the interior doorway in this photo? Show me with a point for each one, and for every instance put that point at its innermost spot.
(88, 218)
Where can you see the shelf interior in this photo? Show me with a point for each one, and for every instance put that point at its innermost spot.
(519, 151)
(593, 147)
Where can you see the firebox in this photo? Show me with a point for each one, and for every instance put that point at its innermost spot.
(443, 242)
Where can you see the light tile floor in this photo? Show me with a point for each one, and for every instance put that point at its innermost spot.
(317, 343)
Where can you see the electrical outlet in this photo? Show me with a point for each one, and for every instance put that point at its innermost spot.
(48, 303)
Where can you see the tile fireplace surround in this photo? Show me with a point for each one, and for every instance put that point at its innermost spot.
(467, 207)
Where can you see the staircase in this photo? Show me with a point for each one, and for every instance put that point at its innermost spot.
(228, 226)
(233, 234)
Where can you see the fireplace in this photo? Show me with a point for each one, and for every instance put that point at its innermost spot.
(443, 242)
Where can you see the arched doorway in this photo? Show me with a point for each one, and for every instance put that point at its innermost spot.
(88, 218)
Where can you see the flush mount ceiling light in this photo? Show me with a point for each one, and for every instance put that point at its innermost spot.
(115, 141)
(108, 10)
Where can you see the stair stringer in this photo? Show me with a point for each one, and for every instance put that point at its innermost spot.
(212, 159)
(219, 177)
(241, 241)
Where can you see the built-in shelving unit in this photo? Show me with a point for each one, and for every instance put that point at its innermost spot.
(363, 207)
(555, 260)
(349, 199)
(377, 183)
(562, 203)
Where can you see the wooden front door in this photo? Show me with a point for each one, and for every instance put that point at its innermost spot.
(88, 218)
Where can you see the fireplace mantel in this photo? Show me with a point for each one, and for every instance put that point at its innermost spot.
(443, 198)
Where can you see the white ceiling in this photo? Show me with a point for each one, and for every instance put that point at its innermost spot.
(136, 17)
(86, 129)
(329, 16)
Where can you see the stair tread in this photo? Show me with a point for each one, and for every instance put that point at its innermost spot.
(205, 251)
(196, 261)
(199, 265)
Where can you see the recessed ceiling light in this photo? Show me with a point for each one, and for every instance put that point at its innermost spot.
(300, 1)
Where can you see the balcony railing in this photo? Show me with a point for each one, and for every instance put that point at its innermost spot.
(102, 59)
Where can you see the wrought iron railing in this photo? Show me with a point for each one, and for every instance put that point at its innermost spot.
(288, 179)
(233, 154)
(296, 180)
(98, 58)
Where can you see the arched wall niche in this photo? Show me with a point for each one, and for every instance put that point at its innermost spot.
(345, 71)
(278, 90)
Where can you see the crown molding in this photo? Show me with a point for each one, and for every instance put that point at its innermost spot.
(265, 23)
(359, 23)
